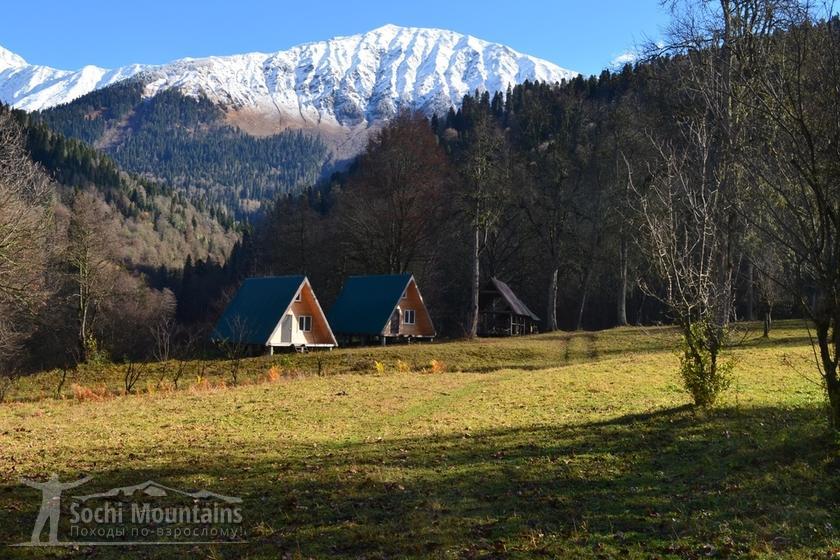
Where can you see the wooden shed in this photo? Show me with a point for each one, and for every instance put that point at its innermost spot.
(502, 313)
(381, 308)
(275, 312)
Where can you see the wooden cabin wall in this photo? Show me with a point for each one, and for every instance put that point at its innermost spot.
(307, 305)
(423, 323)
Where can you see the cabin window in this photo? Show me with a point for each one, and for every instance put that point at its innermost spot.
(408, 316)
(298, 296)
(305, 323)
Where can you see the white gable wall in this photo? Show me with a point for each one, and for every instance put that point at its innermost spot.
(320, 335)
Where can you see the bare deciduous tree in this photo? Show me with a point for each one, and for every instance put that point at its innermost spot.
(164, 333)
(133, 374)
(683, 214)
(90, 257)
(693, 210)
(549, 206)
(236, 345)
(394, 207)
(486, 173)
(797, 175)
(26, 206)
(769, 286)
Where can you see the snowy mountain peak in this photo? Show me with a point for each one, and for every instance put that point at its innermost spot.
(349, 81)
(8, 59)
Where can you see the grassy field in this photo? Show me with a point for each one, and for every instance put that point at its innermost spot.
(565, 445)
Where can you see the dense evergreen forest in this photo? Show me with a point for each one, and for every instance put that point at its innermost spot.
(184, 142)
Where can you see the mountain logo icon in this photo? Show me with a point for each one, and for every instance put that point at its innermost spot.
(157, 490)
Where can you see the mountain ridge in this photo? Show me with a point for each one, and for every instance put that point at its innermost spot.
(347, 81)
(239, 130)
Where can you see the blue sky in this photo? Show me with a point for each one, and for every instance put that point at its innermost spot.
(580, 35)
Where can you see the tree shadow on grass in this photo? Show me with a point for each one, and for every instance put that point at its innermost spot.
(775, 342)
(668, 483)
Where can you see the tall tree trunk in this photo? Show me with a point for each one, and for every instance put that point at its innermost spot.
(83, 316)
(834, 404)
(472, 330)
(584, 296)
(750, 291)
(621, 316)
(82, 341)
(551, 310)
(828, 337)
(768, 321)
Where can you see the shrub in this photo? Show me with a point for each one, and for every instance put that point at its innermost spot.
(202, 384)
(437, 366)
(166, 386)
(133, 373)
(379, 367)
(321, 363)
(273, 375)
(403, 367)
(6, 385)
(179, 371)
(163, 385)
(704, 373)
(94, 353)
(62, 378)
(284, 362)
(82, 393)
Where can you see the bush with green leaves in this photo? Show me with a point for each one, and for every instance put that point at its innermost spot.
(704, 373)
(94, 352)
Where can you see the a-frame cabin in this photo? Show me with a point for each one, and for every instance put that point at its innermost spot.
(275, 312)
(381, 308)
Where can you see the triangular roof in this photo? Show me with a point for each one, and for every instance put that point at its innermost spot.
(256, 309)
(514, 303)
(366, 303)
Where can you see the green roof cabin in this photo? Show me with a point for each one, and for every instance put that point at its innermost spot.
(381, 308)
(275, 312)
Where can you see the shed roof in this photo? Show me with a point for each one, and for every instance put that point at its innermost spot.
(365, 303)
(256, 309)
(516, 305)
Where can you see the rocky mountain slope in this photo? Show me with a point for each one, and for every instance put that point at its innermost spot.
(345, 81)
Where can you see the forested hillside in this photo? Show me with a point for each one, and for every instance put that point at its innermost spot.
(157, 226)
(185, 142)
(100, 250)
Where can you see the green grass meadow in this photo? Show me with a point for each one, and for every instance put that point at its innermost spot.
(565, 445)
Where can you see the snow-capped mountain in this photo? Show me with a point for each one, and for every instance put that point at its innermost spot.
(346, 81)
(32, 87)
